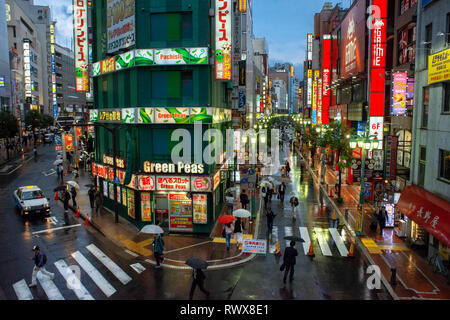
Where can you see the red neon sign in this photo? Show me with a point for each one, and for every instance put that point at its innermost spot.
(326, 64)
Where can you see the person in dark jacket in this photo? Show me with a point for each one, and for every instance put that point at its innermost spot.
(381, 216)
(289, 261)
(39, 266)
(281, 192)
(98, 202)
(91, 194)
(288, 168)
(270, 216)
(158, 249)
(238, 229)
(198, 280)
(66, 198)
(74, 194)
(244, 199)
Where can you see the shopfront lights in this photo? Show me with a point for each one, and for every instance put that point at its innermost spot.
(360, 143)
(318, 130)
(352, 144)
(262, 139)
(244, 139)
(375, 144)
(253, 140)
(367, 145)
(255, 126)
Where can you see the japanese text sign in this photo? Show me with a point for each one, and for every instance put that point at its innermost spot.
(254, 246)
(81, 45)
(223, 39)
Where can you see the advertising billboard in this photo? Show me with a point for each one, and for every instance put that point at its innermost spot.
(326, 66)
(81, 45)
(439, 66)
(223, 40)
(52, 52)
(27, 67)
(353, 40)
(398, 99)
(120, 24)
(309, 88)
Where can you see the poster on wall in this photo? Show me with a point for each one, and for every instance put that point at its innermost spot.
(111, 191)
(69, 142)
(201, 184)
(399, 87)
(118, 194)
(81, 45)
(131, 204)
(200, 208)
(146, 207)
(121, 27)
(124, 196)
(223, 39)
(105, 188)
(180, 212)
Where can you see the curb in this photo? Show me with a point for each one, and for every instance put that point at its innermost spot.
(351, 231)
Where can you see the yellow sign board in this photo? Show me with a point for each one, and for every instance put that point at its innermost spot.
(439, 66)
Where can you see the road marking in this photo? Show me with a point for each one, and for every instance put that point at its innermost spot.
(288, 232)
(53, 220)
(131, 253)
(194, 245)
(54, 229)
(305, 236)
(49, 287)
(139, 268)
(72, 281)
(94, 274)
(138, 247)
(22, 290)
(322, 242)
(273, 241)
(48, 173)
(111, 265)
(339, 242)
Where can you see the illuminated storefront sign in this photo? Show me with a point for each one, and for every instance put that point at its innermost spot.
(180, 212)
(319, 101)
(171, 115)
(399, 86)
(146, 207)
(309, 46)
(216, 180)
(121, 163)
(439, 66)
(173, 183)
(146, 183)
(201, 184)
(309, 88)
(69, 142)
(326, 66)
(52, 52)
(81, 45)
(108, 65)
(27, 67)
(120, 24)
(180, 167)
(223, 39)
(110, 115)
(314, 102)
(200, 208)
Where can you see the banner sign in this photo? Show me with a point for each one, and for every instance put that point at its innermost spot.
(146, 207)
(391, 157)
(439, 66)
(201, 184)
(52, 52)
(180, 212)
(319, 101)
(69, 142)
(376, 129)
(120, 24)
(173, 183)
(223, 40)
(399, 86)
(254, 246)
(200, 208)
(81, 45)
(326, 66)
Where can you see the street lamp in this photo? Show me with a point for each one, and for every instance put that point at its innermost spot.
(365, 143)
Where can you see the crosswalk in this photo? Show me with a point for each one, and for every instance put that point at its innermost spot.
(331, 242)
(72, 277)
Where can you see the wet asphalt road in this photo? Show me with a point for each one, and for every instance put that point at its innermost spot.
(332, 277)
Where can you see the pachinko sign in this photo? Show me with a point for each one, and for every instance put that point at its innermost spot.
(120, 23)
(81, 45)
(223, 39)
(326, 64)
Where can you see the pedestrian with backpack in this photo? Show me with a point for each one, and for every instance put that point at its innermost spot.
(39, 265)
(158, 249)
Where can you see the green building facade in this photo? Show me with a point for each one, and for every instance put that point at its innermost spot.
(153, 73)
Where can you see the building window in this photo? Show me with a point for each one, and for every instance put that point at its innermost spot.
(168, 84)
(428, 40)
(171, 26)
(426, 102)
(447, 36)
(404, 148)
(422, 165)
(446, 93)
(444, 165)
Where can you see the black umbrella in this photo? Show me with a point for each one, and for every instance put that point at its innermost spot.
(59, 188)
(196, 263)
(294, 238)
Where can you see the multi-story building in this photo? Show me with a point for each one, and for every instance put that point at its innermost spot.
(69, 101)
(29, 43)
(157, 83)
(5, 73)
(261, 75)
(425, 203)
(280, 102)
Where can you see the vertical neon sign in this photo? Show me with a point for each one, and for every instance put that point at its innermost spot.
(326, 66)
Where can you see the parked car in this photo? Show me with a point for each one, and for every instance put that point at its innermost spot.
(31, 199)
(48, 138)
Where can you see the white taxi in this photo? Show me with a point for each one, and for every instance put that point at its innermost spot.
(31, 199)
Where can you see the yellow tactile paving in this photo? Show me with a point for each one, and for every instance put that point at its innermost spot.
(138, 247)
(371, 246)
(394, 247)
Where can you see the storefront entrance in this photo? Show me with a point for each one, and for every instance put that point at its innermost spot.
(162, 209)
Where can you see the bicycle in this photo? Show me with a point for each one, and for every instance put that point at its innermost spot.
(438, 265)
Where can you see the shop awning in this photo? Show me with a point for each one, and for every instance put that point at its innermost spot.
(428, 211)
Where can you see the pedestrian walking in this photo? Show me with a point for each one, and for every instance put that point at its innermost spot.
(294, 203)
(238, 229)
(228, 230)
(158, 249)
(288, 168)
(270, 192)
(98, 202)
(66, 198)
(198, 280)
(381, 216)
(230, 203)
(39, 266)
(91, 194)
(281, 192)
(244, 199)
(289, 261)
(74, 195)
(270, 216)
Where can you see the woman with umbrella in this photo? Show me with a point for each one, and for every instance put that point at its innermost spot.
(228, 228)
(294, 203)
(66, 198)
(240, 214)
(197, 275)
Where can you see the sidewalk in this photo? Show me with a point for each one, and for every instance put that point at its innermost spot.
(178, 247)
(415, 278)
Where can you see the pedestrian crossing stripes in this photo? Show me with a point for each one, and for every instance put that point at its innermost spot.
(108, 263)
(327, 238)
(93, 273)
(72, 277)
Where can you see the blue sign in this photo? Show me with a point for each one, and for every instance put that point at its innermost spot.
(361, 128)
(366, 189)
(241, 98)
(314, 116)
(251, 172)
(425, 2)
(245, 180)
(116, 180)
(58, 139)
(244, 171)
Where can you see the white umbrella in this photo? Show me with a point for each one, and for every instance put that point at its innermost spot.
(58, 161)
(241, 213)
(152, 229)
(58, 156)
(73, 184)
